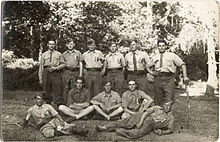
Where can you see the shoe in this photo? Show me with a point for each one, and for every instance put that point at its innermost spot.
(100, 128)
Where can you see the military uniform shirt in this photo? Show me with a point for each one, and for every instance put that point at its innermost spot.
(92, 59)
(160, 116)
(73, 58)
(115, 60)
(170, 61)
(130, 99)
(43, 112)
(141, 58)
(78, 96)
(108, 99)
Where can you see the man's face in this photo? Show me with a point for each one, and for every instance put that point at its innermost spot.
(107, 87)
(132, 85)
(51, 45)
(133, 46)
(70, 45)
(39, 101)
(79, 84)
(162, 47)
(167, 107)
(91, 47)
(113, 48)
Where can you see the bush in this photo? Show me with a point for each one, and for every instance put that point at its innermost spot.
(21, 79)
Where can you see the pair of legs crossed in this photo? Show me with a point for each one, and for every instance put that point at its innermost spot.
(76, 113)
(108, 115)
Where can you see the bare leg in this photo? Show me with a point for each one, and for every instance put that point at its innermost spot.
(66, 110)
(116, 112)
(100, 111)
(85, 112)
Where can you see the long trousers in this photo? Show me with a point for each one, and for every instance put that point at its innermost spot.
(93, 82)
(68, 80)
(117, 80)
(164, 90)
(52, 86)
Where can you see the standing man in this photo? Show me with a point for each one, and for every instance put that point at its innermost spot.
(165, 67)
(50, 74)
(93, 60)
(73, 68)
(78, 101)
(134, 100)
(115, 66)
(108, 102)
(137, 64)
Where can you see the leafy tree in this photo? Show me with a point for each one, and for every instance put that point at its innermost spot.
(22, 22)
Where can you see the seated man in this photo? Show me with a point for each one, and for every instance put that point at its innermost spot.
(47, 119)
(78, 101)
(158, 119)
(108, 102)
(134, 100)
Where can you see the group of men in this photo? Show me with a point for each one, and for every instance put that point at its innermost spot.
(73, 82)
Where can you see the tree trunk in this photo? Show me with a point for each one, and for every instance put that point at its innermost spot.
(212, 78)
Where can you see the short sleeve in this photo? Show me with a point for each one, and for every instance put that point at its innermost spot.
(145, 96)
(98, 97)
(61, 57)
(122, 60)
(29, 111)
(80, 57)
(124, 101)
(177, 60)
(69, 98)
(52, 110)
(118, 99)
(88, 97)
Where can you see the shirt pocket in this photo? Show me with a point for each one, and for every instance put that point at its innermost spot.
(56, 60)
(47, 59)
(169, 62)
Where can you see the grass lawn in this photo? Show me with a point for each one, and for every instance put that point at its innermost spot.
(203, 124)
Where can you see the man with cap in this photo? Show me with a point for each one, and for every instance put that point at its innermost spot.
(73, 68)
(78, 102)
(114, 65)
(165, 66)
(156, 118)
(134, 100)
(93, 60)
(47, 119)
(51, 64)
(137, 66)
(108, 102)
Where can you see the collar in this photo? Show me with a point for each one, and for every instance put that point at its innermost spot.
(77, 90)
(73, 51)
(133, 92)
(38, 106)
(92, 51)
(108, 95)
(111, 54)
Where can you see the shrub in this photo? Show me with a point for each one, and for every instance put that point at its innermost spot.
(21, 79)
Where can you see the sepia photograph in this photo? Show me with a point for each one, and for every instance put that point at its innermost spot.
(110, 71)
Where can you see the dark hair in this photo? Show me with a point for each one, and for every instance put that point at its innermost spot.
(107, 81)
(132, 80)
(161, 41)
(90, 41)
(39, 95)
(70, 40)
(80, 78)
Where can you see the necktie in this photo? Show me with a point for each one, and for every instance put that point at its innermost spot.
(161, 60)
(50, 56)
(134, 62)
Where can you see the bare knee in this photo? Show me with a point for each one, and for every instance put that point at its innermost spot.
(62, 107)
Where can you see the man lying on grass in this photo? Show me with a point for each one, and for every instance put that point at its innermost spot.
(158, 119)
(48, 120)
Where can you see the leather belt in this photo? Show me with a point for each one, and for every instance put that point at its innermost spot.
(165, 74)
(141, 72)
(93, 69)
(114, 69)
(72, 69)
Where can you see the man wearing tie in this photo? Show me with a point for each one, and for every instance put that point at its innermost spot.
(50, 67)
(165, 66)
(137, 65)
